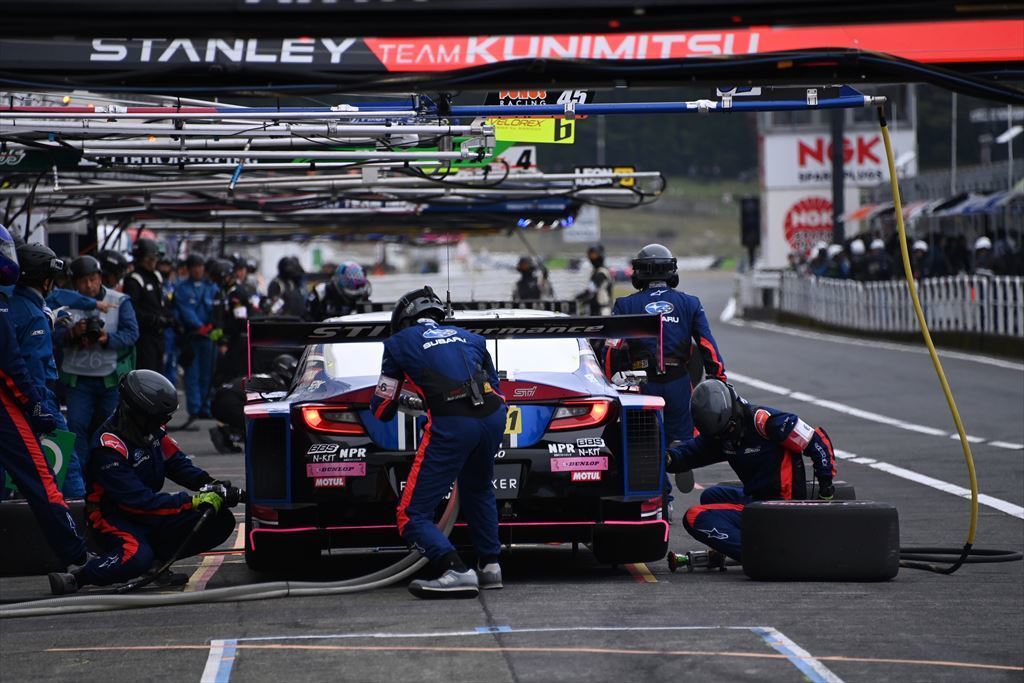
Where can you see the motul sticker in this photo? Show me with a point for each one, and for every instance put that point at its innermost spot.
(578, 464)
(586, 476)
(328, 482)
(336, 469)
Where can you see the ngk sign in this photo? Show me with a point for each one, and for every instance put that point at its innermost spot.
(805, 160)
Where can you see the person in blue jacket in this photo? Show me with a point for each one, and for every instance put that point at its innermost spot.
(194, 300)
(466, 422)
(23, 417)
(96, 351)
(139, 525)
(764, 446)
(32, 323)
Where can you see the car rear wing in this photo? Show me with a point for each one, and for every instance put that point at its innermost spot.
(567, 306)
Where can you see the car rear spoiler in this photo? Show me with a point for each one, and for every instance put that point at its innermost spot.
(567, 306)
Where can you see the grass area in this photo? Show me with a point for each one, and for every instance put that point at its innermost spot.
(692, 218)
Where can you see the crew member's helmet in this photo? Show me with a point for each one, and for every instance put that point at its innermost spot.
(146, 403)
(419, 303)
(113, 263)
(145, 247)
(350, 280)
(283, 367)
(654, 263)
(38, 264)
(717, 409)
(526, 266)
(595, 254)
(9, 268)
(289, 268)
(83, 266)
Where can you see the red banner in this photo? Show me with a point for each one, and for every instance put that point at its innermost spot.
(931, 42)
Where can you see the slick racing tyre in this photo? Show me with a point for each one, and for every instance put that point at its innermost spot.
(805, 540)
(24, 550)
(844, 489)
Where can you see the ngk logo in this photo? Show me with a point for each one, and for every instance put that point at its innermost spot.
(808, 221)
(860, 150)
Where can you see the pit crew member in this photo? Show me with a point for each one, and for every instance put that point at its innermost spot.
(466, 421)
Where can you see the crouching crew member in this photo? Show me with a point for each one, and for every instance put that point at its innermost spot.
(764, 446)
(139, 525)
(466, 421)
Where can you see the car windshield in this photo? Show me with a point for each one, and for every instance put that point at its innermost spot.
(510, 355)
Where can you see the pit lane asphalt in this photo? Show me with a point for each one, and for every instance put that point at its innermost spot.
(641, 623)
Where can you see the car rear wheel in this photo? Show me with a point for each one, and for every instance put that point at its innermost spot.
(629, 544)
(282, 555)
(804, 540)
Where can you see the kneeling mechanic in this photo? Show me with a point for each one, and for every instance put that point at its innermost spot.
(764, 446)
(139, 526)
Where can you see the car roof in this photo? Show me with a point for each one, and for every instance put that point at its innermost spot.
(378, 316)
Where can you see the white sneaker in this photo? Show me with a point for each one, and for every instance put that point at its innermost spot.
(490, 576)
(451, 584)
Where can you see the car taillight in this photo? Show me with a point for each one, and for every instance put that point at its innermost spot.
(578, 414)
(333, 419)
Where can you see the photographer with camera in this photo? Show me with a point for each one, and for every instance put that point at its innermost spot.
(99, 349)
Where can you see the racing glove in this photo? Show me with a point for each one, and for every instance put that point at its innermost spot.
(232, 495)
(216, 334)
(825, 489)
(40, 420)
(205, 329)
(211, 498)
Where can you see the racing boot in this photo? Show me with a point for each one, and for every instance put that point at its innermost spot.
(65, 583)
(489, 576)
(166, 577)
(451, 584)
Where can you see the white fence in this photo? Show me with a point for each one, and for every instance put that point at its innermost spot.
(965, 303)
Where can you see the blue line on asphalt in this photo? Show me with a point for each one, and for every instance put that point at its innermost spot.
(493, 629)
(812, 669)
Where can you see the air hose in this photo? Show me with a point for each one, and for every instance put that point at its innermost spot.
(925, 558)
(407, 566)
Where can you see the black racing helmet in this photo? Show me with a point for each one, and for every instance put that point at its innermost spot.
(654, 263)
(416, 304)
(83, 266)
(145, 247)
(147, 403)
(283, 368)
(595, 254)
(38, 264)
(289, 268)
(526, 266)
(717, 409)
(113, 262)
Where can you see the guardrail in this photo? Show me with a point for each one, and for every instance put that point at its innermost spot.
(964, 303)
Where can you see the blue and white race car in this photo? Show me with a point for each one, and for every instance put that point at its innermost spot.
(581, 461)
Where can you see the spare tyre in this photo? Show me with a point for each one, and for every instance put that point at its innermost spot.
(844, 489)
(807, 540)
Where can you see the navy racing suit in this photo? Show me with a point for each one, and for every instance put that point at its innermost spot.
(768, 458)
(20, 453)
(136, 523)
(683, 319)
(453, 371)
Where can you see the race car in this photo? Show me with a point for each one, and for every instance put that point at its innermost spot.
(581, 462)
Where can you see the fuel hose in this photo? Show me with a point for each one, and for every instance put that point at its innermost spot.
(928, 558)
(404, 568)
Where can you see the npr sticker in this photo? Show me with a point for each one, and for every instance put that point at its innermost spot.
(328, 482)
(586, 476)
(578, 464)
(336, 469)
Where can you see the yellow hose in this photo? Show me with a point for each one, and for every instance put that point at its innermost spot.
(912, 288)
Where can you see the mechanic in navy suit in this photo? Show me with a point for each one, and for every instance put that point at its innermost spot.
(139, 525)
(24, 415)
(764, 446)
(466, 421)
(683, 319)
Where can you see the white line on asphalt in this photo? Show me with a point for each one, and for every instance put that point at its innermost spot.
(902, 472)
(813, 670)
(870, 343)
(864, 414)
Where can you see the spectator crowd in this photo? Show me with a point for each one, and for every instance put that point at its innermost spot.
(872, 258)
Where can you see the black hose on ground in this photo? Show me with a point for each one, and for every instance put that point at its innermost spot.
(924, 557)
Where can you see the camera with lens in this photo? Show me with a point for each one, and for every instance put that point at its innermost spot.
(93, 329)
